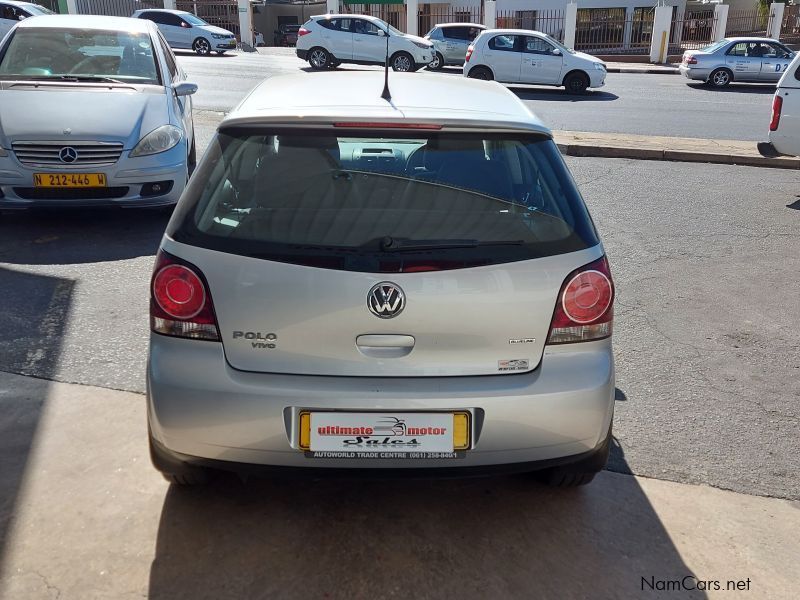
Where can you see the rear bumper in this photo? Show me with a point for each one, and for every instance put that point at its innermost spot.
(693, 73)
(203, 410)
(302, 54)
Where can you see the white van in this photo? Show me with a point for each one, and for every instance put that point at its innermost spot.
(784, 125)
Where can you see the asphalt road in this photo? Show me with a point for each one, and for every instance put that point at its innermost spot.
(704, 257)
(642, 104)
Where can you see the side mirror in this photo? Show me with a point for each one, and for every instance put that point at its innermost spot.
(185, 25)
(556, 52)
(22, 17)
(381, 33)
(184, 88)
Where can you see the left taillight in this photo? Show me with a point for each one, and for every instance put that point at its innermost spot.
(180, 301)
(302, 31)
(585, 307)
(469, 52)
(777, 105)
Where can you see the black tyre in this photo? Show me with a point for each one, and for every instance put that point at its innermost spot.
(319, 58)
(175, 471)
(576, 83)
(402, 62)
(201, 46)
(481, 73)
(437, 64)
(720, 78)
(578, 473)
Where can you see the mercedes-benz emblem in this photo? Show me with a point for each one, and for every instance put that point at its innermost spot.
(386, 300)
(68, 154)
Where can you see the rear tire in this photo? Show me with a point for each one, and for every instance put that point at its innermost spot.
(481, 73)
(578, 473)
(175, 471)
(319, 58)
(437, 64)
(720, 78)
(576, 83)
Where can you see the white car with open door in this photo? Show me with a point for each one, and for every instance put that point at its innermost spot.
(784, 126)
(532, 57)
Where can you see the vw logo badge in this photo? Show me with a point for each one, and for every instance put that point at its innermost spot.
(386, 300)
(68, 155)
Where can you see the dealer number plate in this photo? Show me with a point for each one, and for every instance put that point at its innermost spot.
(69, 180)
(384, 435)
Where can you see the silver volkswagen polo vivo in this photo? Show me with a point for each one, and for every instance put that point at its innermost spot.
(411, 285)
(93, 110)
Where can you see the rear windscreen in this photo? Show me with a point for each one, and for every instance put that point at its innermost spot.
(370, 201)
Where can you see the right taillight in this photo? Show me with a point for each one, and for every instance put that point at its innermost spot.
(777, 105)
(585, 307)
(180, 303)
(302, 31)
(469, 52)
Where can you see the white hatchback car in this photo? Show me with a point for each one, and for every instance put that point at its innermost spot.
(326, 41)
(12, 12)
(187, 31)
(784, 126)
(362, 284)
(521, 56)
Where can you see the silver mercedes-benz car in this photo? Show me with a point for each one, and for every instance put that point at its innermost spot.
(350, 282)
(93, 111)
(743, 59)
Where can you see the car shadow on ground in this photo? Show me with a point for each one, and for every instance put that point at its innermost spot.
(559, 95)
(794, 205)
(30, 342)
(228, 54)
(499, 537)
(52, 237)
(737, 88)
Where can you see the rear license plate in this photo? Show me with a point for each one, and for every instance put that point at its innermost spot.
(69, 180)
(385, 435)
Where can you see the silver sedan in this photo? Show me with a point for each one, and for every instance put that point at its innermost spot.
(755, 60)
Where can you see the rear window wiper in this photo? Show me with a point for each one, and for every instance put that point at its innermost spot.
(389, 244)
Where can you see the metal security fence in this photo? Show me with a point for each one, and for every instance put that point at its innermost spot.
(692, 30)
(611, 31)
(790, 26)
(221, 13)
(393, 14)
(431, 15)
(115, 8)
(550, 22)
(748, 22)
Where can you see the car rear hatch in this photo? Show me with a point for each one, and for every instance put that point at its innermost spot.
(358, 252)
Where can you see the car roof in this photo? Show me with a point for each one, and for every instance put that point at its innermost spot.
(346, 16)
(751, 39)
(356, 97)
(460, 25)
(89, 22)
(165, 10)
(512, 32)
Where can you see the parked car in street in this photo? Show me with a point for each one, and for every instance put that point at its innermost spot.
(355, 283)
(450, 43)
(326, 41)
(12, 12)
(286, 35)
(184, 30)
(742, 59)
(95, 111)
(784, 125)
(532, 57)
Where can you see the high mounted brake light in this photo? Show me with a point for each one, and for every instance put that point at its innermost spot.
(585, 307)
(180, 302)
(375, 125)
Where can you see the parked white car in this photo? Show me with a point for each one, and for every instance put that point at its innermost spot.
(187, 31)
(12, 13)
(522, 56)
(326, 41)
(784, 125)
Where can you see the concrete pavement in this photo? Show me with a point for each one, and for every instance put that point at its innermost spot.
(84, 516)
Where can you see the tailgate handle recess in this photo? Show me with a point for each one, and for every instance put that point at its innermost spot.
(385, 345)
